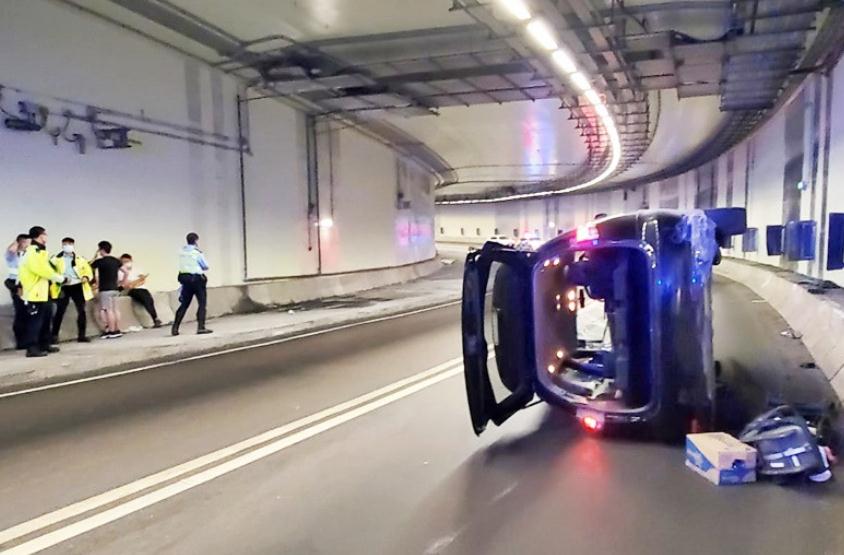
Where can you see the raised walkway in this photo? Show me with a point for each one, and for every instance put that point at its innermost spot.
(149, 347)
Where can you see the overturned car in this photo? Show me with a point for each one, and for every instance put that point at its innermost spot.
(652, 366)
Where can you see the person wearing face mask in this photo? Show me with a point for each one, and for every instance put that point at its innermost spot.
(14, 254)
(77, 288)
(35, 276)
(134, 280)
(192, 268)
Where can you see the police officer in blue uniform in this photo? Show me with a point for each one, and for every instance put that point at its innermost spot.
(192, 268)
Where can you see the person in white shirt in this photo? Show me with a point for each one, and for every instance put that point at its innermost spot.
(134, 280)
(12, 256)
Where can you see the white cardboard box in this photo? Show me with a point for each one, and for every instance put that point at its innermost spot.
(721, 458)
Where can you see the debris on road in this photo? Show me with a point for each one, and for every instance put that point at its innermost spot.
(721, 458)
(788, 447)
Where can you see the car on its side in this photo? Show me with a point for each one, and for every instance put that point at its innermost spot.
(651, 270)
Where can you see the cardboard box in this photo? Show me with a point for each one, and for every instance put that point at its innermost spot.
(721, 458)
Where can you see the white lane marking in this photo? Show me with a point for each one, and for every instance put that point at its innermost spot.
(124, 509)
(223, 352)
(114, 495)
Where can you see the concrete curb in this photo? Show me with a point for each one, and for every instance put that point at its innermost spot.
(818, 318)
(252, 338)
(248, 298)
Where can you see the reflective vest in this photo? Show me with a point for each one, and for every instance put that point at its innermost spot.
(192, 261)
(83, 270)
(36, 273)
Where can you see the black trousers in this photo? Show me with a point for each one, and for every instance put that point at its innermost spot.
(144, 297)
(19, 323)
(193, 285)
(77, 295)
(38, 326)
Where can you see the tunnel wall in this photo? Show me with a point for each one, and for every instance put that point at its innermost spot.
(475, 223)
(146, 198)
(790, 169)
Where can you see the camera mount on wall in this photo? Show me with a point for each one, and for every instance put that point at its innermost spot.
(109, 138)
(32, 117)
(113, 137)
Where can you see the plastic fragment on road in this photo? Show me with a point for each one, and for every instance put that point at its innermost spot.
(790, 333)
(721, 458)
(787, 446)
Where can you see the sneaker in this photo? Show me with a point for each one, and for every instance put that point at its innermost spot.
(35, 353)
(105, 335)
(157, 324)
(204, 331)
(84, 340)
(115, 334)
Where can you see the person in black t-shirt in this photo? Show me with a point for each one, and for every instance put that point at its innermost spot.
(108, 276)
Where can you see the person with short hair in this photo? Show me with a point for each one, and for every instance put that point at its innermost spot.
(77, 287)
(35, 276)
(108, 275)
(13, 255)
(134, 280)
(192, 268)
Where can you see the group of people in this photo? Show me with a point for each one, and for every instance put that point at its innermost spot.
(43, 285)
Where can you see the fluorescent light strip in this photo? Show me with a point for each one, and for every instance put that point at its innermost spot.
(580, 82)
(517, 9)
(544, 36)
(615, 159)
(602, 111)
(564, 61)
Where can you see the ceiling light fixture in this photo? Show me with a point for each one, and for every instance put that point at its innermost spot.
(580, 82)
(564, 61)
(542, 34)
(517, 9)
(593, 97)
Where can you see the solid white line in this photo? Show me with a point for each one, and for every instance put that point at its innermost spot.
(223, 352)
(63, 534)
(110, 515)
(116, 494)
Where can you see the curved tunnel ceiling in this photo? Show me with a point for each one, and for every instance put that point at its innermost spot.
(491, 145)
(455, 85)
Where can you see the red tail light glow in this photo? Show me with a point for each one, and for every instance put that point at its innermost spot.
(590, 423)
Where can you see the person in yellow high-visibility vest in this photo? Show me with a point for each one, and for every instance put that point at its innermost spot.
(35, 275)
(77, 288)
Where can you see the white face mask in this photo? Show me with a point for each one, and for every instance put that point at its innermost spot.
(68, 249)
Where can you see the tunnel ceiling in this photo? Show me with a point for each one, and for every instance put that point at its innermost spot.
(457, 86)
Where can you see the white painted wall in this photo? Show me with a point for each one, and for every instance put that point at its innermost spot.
(545, 217)
(147, 198)
(359, 184)
(758, 167)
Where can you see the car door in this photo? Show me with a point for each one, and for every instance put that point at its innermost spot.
(506, 315)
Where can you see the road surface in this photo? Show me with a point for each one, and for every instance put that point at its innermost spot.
(367, 448)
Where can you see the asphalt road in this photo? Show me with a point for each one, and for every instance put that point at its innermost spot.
(396, 471)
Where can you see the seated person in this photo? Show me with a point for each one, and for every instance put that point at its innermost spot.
(133, 283)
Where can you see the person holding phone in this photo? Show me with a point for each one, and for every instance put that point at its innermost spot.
(134, 281)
